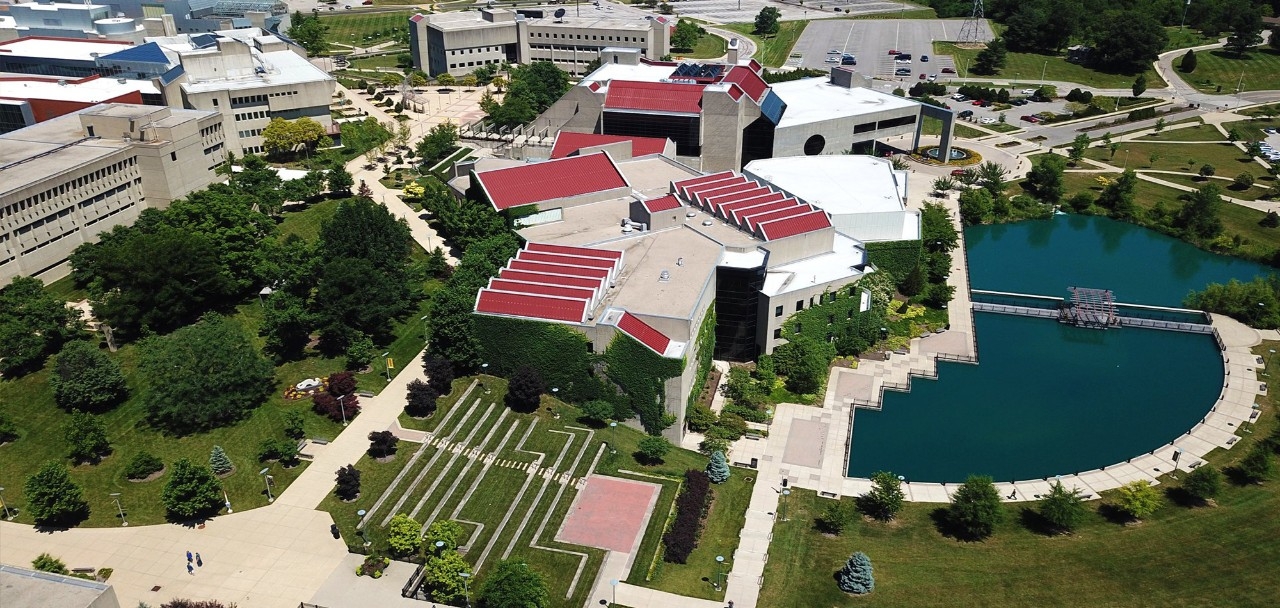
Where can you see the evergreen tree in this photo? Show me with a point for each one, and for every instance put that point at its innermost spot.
(718, 468)
(1139, 85)
(856, 576)
(1188, 64)
(914, 282)
(219, 461)
(53, 498)
(1256, 465)
(1203, 483)
(975, 508)
(347, 485)
(991, 59)
(1063, 509)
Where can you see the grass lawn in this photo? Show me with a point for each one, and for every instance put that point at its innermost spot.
(1259, 242)
(708, 47)
(1181, 38)
(363, 28)
(968, 132)
(29, 401)
(1177, 557)
(377, 61)
(1003, 127)
(1224, 183)
(1220, 71)
(1225, 158)
(1200, 132)
(1251, 130)
(66, 289)
(1029, 66)
(773, 50)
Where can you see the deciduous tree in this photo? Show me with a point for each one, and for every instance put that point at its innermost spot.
(1203, 482)
(767, 21)
(885, 499)
(652, 449)
(421, 399)
(1138, 499)
(443, 530)
(438, 143)
(85, 378)
(191, 492)
(1045, 179)
(347, 484)
(382, 444)
(404, 534)
(514, 584)
(975, 508)
(33, 325)
(1063, 509)
(524, 390)
(52, 498)
(440, 575)
(86, 438)
(1199, 215)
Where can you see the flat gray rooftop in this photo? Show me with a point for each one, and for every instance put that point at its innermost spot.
(22, 588)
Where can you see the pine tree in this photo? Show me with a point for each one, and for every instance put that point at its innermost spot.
(219, 461)
(718, 468)
(1188, 62)
(856, 576)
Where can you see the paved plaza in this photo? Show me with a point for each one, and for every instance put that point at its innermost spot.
(871, 40)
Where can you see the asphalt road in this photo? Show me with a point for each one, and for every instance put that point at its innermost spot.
(871, 40)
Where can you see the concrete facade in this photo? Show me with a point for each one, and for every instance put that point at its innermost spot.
(458, 43)
(64, 181)
(95, 21)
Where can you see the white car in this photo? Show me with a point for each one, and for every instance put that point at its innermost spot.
(988, 121)
(1028, 91)
(959, 97)
(832, 60)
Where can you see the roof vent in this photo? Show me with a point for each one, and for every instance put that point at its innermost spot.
(626, 229)
(62, 82)
(691, 214)
(707, 222)
(664, 276)
(122, 80)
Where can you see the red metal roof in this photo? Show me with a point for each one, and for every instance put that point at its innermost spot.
(577, 271)
(792, 226)
(757, 218)
(751, 82)
(567, 143)
(551, 279)
(658, 205)
(643, 333)
(742, 217)
(654, 97)
(691, 192)
(550, 180)
(726, 209)
(754, 65)
(418, 17)
(531, 306)
(572, 260)
(607, 254)
(703, 195)
(540, 289)
(713, 203)
(680, 186)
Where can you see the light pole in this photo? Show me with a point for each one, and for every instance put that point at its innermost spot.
(1177, 453)
(785, 494)
(614, 583)
(116, 497)
(439, 547)
(1266, 365)
(424, 327)
(387, 364)
(466, 588)
(227, 499)
(360, 527)
(8, 515)
(484, 369)
(267, 480)
(342, 408)
(1044, 69)
(719, 572)
(1184, 16)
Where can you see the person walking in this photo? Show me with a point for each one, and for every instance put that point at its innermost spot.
(199, 562)
(188, 557)
(190, 570)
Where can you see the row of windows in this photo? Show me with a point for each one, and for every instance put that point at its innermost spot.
(251, 133)
(867, 127)
(473, 63)
(479, 49)
(113, 212)
(829, 296)
(211, 129)
(251, 150)
(593, 37)
(256, 100)
(70, 185)
(213, 148)
(255, 115)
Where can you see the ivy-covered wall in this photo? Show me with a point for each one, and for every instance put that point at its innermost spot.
(837, 320)
(641, 373)
(895, 257)
(557, 352)
(706, 345)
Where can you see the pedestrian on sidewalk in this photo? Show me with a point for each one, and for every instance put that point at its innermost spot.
(199, 562)
(190, 570)
(188, 557)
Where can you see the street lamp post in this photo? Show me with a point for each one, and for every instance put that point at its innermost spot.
(386, 365)
(1266, 365)
(8, 515)
(614, 583)
(424, 327)
(1043, 70)
(267, 480)
(227, 499)
(342, 408)
(719, 572)
(466, 588)
(360, 527)
(785, 494)
(116, 497)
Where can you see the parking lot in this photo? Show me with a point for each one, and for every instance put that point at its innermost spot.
(871, 40)
(733, 11)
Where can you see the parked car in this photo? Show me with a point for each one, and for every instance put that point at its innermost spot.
(933, 77)
(893, 52)
(948, 70)
(834, 51)
(832, 60)
(959, 97)
(965, 114)
(1029, 118)
(924, 58)
(986, 103)
(1270, 131)
(1028, 91)
(958, 172)
(902, 72)
(848, 61)
(977, 102)
(988, 121)
(922, 77)
(1018, 102)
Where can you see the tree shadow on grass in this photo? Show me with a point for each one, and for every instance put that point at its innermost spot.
(64, 523)
(1238, 478)
(942, 522)
(1114, 514)
(1183, 498)
(1032, 520)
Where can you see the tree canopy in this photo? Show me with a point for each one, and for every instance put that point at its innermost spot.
(52, 498)
(33, 325)
(533, 88)
(282, 135)
(767, 21)
(191, 492)
(308, 32)
(975, 508)
(202, 376)
(513, 584)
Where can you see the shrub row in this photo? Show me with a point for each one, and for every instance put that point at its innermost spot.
(682, 538)
(1142, 114)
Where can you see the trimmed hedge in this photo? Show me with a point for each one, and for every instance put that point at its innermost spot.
(682, 538)
(895, 257)
(640, 373)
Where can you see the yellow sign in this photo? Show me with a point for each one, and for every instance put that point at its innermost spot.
(391, 363)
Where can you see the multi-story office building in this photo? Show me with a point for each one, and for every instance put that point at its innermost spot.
(26, 100)
(68, 20)
(247, 76)
(458, 43)
(65, 180)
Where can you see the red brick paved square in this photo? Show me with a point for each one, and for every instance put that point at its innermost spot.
(609, 513)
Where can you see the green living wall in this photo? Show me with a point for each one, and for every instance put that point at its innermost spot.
(706, 345)
(837, 319)
(557, 352)
(895, 257)
(640, 373)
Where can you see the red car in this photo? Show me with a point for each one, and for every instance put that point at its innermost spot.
(958, 172)
(922, 77)
(1031, 119)
(948, 70)
(977, 102)
(893, 51)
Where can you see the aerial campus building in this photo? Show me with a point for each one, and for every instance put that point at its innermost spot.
(724, 116)
(647, 247)
(247, 76)
(459, 42)
(65, 180)
(132, 20)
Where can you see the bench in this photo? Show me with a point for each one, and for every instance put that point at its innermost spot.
(320, 441)
(364, 393)
(84, 570)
